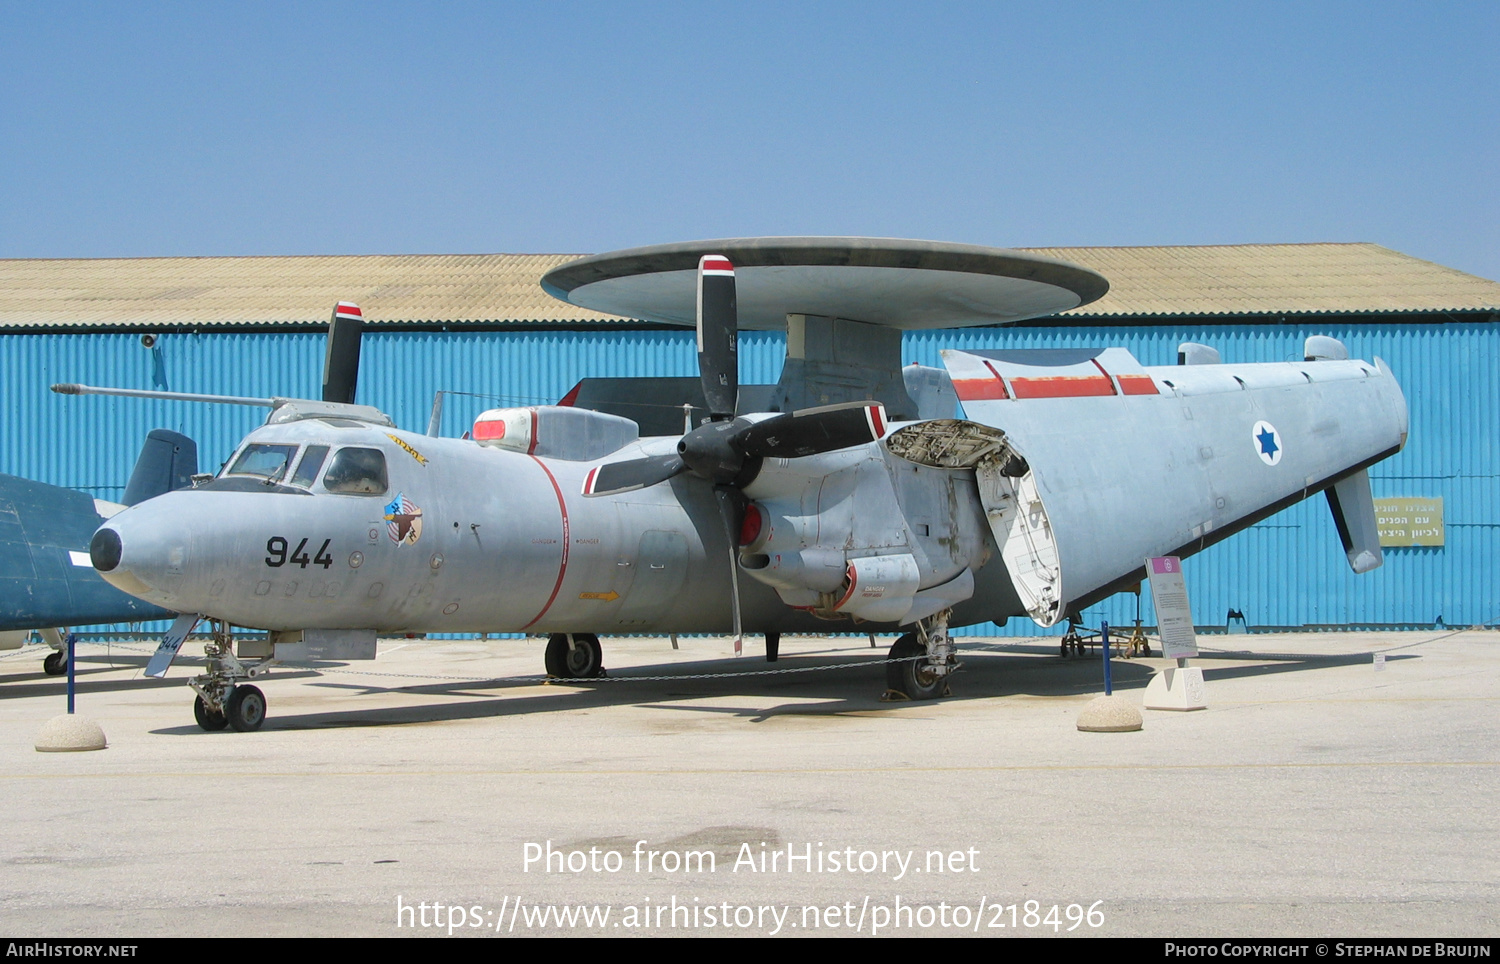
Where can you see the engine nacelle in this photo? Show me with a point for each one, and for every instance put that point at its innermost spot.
(869, 537)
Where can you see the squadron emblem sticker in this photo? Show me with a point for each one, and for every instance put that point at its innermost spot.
(1267, 442)
(403, 520)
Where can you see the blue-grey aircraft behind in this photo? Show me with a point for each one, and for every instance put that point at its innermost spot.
(847, 495)
(47, 581)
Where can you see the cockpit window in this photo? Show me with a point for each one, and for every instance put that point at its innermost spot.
(268, 462)
(312, 461)
(357, 472)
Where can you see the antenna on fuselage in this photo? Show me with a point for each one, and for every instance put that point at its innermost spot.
(340, 372)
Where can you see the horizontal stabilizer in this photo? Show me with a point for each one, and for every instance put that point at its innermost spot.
(1354, 514)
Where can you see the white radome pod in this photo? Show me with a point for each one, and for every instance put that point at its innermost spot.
(553, 431)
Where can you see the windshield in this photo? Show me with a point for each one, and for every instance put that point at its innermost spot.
(312, 461)
(263, 461)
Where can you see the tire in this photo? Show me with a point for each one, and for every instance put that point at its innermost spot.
(912, 678)
(773, 647)
(55, 664)
(211, 720)
(246, 708)
(583, 660)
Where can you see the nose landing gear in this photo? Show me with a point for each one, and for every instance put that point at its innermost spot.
(224, 698)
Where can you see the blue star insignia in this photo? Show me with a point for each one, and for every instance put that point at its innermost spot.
(1268, 444)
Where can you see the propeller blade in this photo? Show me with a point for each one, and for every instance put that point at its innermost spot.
(631, 474)
(341, 363)
(718, 336)
(813, 431)
(732, 509)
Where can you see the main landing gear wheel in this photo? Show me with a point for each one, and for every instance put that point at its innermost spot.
(913, 678)
(574, 656)
(55, 664)
(246, 709)
(210, 720)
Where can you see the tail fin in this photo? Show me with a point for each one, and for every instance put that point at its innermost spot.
(167, 461)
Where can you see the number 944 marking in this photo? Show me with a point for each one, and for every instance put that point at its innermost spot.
(277, 547)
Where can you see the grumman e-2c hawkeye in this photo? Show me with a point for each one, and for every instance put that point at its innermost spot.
(847, 495)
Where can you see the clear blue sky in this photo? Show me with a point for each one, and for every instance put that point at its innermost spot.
(136, 129)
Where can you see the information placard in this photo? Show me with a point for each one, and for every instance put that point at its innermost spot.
(1174, 618)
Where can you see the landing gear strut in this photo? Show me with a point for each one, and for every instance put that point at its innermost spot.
(909, 676)
(1072, 643)
(224, 698)
(574, 656)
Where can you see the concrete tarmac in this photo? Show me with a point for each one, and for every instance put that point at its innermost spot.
(1316, 796)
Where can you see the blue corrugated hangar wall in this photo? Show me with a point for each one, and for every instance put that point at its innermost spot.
(1288, 571)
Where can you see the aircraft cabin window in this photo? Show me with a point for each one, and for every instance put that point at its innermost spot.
(312, 461)
(357, 472)
(268, 462)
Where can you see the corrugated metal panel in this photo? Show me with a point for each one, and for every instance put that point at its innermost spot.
(1288, 571)
(143, 292)
(503, 288)
(1271, 279)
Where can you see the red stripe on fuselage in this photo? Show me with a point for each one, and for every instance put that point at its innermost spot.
(562, 567)
(978, 389)
(1062, 386)
(1138, 385)
(981, 389)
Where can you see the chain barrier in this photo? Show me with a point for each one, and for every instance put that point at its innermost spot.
(604, 678)
(32, 650)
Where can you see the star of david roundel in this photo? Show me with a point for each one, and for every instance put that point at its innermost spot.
(1267, 442)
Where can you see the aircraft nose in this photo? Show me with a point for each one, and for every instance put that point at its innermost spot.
(140, 550)
(105, 549)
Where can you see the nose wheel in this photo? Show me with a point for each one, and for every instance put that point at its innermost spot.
(246, 709)
(209, 719)
(225, 699)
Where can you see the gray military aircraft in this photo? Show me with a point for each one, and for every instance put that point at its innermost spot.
(841, 503)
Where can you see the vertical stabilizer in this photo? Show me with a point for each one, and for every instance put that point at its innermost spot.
(167, 461)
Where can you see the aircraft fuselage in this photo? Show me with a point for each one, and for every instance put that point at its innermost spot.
(449, 535)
